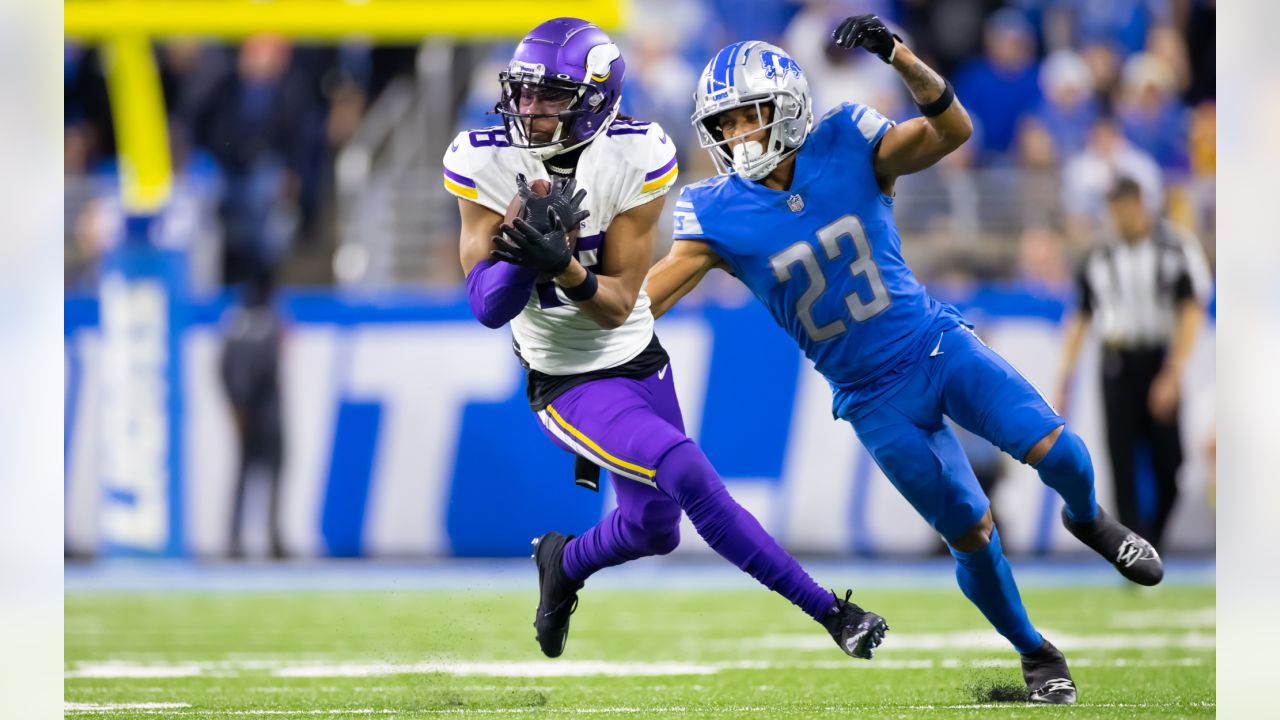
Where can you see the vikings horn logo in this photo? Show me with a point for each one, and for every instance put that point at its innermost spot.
(774, 64)
(600, 61)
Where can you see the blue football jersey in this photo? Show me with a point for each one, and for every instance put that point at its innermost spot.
(824, 257)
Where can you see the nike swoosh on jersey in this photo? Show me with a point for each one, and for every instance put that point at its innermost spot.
(937, 349)
(662, 373)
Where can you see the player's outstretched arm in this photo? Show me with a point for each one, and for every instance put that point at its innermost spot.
(628, 249)
(680, 271)
(920, 142)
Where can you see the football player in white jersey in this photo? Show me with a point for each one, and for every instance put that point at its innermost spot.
(598, 378)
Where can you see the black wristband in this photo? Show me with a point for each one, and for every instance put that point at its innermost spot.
(584, 290)
(939, 106)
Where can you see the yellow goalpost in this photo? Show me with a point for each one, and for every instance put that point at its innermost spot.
(125, 29)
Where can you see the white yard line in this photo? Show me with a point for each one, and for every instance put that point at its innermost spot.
(573, 668)
(621, 710)
(188, 710)
(133, 670)
(1006, 706)
(113, 707)
(954, 664)
(989, 640)
(1205, 618)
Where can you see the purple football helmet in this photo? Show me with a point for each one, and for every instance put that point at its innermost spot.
(563, 60)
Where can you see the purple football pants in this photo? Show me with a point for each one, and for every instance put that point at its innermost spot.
(633, 429)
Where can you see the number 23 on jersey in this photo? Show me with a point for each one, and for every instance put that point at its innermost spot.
(803, 254)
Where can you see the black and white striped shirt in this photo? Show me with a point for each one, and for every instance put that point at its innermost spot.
(1132, 290)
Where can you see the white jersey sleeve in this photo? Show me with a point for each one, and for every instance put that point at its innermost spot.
(472, 170)
(652, 164)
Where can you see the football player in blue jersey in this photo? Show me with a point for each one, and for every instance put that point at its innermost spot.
(802, 214)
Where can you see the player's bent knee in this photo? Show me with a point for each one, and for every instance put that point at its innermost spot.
(663, 542)
(978, 537)
(1043, 446)
(685, 474)
(1066, 455)
(660, 529)
(650, 535)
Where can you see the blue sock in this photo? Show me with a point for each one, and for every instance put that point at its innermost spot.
(987, 580)
(1068, 469)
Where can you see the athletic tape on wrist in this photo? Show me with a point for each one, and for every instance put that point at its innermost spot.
(584, 290)
(894, 52)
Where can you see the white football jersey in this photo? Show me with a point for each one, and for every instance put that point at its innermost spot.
(629, 164)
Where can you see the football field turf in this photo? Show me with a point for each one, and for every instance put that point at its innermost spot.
(632, 652)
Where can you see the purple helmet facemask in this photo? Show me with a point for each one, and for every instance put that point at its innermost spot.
(566, 60)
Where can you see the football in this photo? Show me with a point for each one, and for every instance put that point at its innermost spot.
(535, 212)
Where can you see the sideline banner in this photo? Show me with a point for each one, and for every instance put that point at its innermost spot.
(137, 414)
(407, 431)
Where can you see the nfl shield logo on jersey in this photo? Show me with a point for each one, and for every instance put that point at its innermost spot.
(796, 203)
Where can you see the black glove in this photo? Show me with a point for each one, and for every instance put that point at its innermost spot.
(867, 31)
(562, 199)
(521, 243)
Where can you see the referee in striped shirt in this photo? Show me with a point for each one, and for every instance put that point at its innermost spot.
(1145, 290)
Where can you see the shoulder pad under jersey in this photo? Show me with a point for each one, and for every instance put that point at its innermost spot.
(856, 124)
(472, 169)
(698, 206)
(650, 157)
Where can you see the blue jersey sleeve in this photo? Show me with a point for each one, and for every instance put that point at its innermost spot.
(685, 220)
(857, 126)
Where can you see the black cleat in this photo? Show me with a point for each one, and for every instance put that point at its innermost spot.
(856, 631)
(1133, 556)
(1048, 679)
(559, 594)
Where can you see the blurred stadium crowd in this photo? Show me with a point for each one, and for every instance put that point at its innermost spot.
(321, 162)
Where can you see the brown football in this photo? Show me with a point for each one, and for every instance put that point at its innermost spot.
(541, 188)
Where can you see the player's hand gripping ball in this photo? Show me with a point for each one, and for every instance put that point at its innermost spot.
(540, 229)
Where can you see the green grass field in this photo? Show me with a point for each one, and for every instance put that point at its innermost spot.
(632, 654)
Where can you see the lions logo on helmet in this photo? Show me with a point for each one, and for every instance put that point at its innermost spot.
(778, 65)
(746, 74)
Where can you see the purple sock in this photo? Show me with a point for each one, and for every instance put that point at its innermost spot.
(733, 532)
